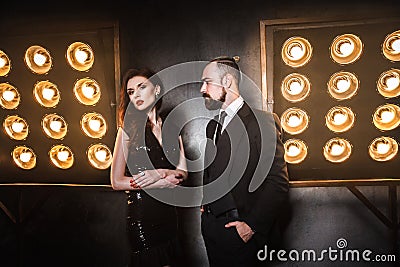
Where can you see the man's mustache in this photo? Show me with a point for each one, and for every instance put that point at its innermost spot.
(205, 95)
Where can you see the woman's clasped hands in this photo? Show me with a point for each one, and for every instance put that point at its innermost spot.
(164, 178)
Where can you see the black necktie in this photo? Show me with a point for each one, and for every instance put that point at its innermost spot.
(219, 125)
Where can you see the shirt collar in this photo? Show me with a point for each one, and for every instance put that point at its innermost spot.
(233, 107)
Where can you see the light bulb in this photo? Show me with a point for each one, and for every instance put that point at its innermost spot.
(101, 155)
(295, 88)
(296, 52)
(88, 91)
(39, 59)
(25, 157)
(8, 95)
(81, 56)
(342, 85)
(94, 125)
(56, 126)
(346, 48)
(62, 155)
(17, 127)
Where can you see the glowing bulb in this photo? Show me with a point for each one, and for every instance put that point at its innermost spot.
(39, 59)
(101, 155)
(339, 118)
(95, 125)
(2, 62)
(55, 126)
(294, 121)
(337, 150)
(387, 116)
(25, 157)
(346, 48)
(293, 151)
(88, 91)
(17, 127)
(295, 88)
(296, 52)
(382, 148)
(396, 45)
(392, 83)
(62, 155)
(81, 56)
(48, 93)
(8, 95)
(343, 85)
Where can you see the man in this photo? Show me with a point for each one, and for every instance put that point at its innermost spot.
(244, 155)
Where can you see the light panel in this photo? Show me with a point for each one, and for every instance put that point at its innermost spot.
(294, 120)
(24, 157)
(343, 85)
(80, 56)
(9, 96)
(388, 83)
(16, 127)
(346, 49)
(296, 51)
(295, 151)
(337, 150)
(38, 59)
(87, 91)
(383, 148)
(46, 94)
(295, 87)
(99, 156)
(94, 125)
(339, 119)
(61, 156)
(391, 46)
(54, 126)
(5, 64)
(386, 117)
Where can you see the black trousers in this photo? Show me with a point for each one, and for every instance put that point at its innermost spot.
(224, 245)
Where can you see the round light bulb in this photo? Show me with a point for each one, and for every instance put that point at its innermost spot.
(382, 148)
(25, 157)
(62, 155)
(387, 116)
(296, 52)
(392, 83)
(346, 48)
(94, 125)
(337, 150)
(88, 91)
(81, 56)
(8, 95)
(39, 59)
(343, 85)
(2, 62)
(56, 126)
(339, 118)
(17, 127)
(396, 45)
(48, 93)
(293, 151)
(294, 121)
(295, 88)
(101, 155)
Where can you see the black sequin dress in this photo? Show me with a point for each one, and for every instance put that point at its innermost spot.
(152, 224)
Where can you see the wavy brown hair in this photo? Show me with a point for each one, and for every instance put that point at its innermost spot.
(129, 117)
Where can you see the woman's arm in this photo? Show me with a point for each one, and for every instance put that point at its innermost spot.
(161, 178)
(117, 175)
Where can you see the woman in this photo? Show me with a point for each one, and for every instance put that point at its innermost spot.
(147, 158)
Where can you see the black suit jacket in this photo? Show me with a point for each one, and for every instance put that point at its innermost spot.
(249, 159)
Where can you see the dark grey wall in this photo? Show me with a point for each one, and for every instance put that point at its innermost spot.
(62, 226)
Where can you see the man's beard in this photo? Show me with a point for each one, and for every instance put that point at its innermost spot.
(213, 104)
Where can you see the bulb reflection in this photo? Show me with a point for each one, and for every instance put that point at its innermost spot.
(38, 59)
(386, 117)
(99, 156)
(388, 83)
(294, 120)
(16, 127)
(295, 151)
(337, 150)
(87, 91)
(93, 125)
(296, 52)
(61, 156)
(383, 148)
(24, 157)
(343, 85)
(54, 126)
(339, 119)
(46, 94)
(346, 49)
(295, 87)
(9, 96)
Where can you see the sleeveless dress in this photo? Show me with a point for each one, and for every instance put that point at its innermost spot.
(152, 224)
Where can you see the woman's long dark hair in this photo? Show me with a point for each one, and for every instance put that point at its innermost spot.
(130, 119)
